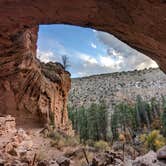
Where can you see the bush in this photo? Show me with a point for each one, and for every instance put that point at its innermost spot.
(41, 155)
(71, 141)
(152, 141)
(55, 135)
(58, 144)
(122, 137)
(59, 141)
(52, 122)
(90, 142)
(101, 145)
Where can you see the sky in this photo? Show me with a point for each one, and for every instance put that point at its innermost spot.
(89, 51)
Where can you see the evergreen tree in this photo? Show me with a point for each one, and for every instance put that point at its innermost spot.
(163, 121)
(90, 123)
(163, 115)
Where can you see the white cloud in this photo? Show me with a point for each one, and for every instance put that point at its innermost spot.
(82, 74)
(147, 64)
(110, 62)
(94, 30)
(45, 56)
(132, 59)
(87, 58)
(93, 45)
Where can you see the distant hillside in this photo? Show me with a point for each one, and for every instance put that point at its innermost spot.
(116, 87)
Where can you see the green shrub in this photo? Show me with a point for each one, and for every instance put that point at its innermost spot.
(71, 141)
(52, 121)
(41, 155)
(152, 141)
(89, 142)
(101, 145)
(55, 135)
(59, 141)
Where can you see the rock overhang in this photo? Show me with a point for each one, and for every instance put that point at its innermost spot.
(141, 24)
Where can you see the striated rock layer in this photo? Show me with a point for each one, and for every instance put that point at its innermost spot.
(24, 91)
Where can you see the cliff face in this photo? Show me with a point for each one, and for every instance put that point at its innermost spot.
(25, 91)
(56, 86)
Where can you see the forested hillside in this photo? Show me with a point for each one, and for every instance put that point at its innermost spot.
(127, 107)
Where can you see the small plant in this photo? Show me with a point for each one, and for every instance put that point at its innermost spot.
(52, 122)
(65, 61)
(71, 141)
(152, 141)
(101, 145)
(41, 156)
(59, 141)
(122, 137)
(90, 142)
(54, 135)
(163, 121)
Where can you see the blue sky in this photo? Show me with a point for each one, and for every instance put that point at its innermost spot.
(89, 51)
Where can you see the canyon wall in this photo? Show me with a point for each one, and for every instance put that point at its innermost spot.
(117, 87)
(26, 92)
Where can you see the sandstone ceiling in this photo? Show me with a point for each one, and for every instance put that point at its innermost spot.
(30, 95)
(139, 23)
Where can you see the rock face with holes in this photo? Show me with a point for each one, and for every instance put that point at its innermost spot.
(24, 90)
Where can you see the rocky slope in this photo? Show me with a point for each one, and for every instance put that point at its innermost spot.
(30, 147)
(117, 87)
(20, 147)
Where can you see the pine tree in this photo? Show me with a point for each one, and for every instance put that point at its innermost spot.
(163, 115)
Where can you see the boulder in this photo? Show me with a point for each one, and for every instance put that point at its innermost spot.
(48, 163)
(43, 163)
(149, 159)
(2, 162)
(107, 158)
(161, 153)
(63, 161)
(53, 163)
(18, 163)
(7, 125)
(9, 148)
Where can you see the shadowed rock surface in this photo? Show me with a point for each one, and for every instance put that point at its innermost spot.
(140, 24)
(24, 90)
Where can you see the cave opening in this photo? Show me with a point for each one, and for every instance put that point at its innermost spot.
(103, 70)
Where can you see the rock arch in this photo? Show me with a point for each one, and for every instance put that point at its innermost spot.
(141, 24)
